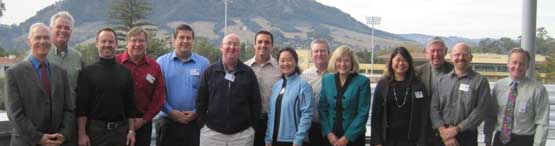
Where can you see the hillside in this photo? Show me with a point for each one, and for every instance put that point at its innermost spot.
(293, 22)
(449, 40)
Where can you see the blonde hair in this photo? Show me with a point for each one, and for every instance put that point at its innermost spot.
(340, 52)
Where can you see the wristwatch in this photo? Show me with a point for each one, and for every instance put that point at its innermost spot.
(131, 132)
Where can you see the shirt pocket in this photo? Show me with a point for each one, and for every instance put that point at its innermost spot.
(524, 111)
(194, 80)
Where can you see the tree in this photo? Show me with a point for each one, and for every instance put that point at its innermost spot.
(3, 52)
(2, 8)
(489, 45)
(203, 48)
(364, 56)
(548, 67)
(247, 51)
(127, 14)
(507, 44)
(89, 53)
(545, 44)
(158, 46)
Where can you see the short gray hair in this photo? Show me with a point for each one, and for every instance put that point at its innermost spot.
(38, 25)
(320, 41)
(436, 40)
(62, 14)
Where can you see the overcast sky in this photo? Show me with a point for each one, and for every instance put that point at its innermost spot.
(466, 18)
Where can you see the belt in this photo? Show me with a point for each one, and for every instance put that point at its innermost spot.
(107, 125)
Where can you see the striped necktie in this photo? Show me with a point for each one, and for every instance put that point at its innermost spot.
(507, 126)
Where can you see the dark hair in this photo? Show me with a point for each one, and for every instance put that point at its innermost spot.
(183, 27)
(107, 29)
(410, 75)
(266, 33)
(294, 54)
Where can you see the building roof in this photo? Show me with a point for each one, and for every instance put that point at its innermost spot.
(9, 60)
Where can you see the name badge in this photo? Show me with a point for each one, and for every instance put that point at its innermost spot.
(282, 91)
(464, 87)
(195, 72)
(150, 78)
(523, 107)
(230, 77)
(419, 94)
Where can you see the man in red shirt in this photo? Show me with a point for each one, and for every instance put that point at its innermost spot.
(149, 83)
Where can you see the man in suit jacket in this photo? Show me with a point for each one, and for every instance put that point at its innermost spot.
(436, 67)
(38, 104)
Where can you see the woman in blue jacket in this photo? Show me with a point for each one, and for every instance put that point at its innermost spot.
(290, 104)
(344, 100)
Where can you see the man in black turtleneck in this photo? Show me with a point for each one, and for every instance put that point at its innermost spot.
(105, 105)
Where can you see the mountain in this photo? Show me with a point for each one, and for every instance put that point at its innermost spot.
(449, 40)
(293, 22)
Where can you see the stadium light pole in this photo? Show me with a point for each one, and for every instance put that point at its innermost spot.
(225, 17)
(372, 21)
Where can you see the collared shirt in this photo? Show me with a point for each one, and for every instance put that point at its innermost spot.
(531, 111)
(460, 100)
(266, 74)
(314, 78)
(182, 80)
(149, 84)
(36, 65)
(70, 60)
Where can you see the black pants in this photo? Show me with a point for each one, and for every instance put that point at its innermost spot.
(399, 143)
(260, 131)
(466, 138)
(358, 142)
(315, 135)
(516, 140)
(171, 133)
(102, 135)
(282, 143)
(143, 134)
(398, 137)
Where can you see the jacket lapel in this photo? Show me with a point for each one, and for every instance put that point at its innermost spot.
(428, 76)
(53, 79)
(32, 74)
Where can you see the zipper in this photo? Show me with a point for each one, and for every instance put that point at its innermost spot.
(229, 102)
(295, 107)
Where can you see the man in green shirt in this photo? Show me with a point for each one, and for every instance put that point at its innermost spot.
(69, 59)
(60, 54)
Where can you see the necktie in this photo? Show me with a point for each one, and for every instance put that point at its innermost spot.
(507, 126)
(44, 78)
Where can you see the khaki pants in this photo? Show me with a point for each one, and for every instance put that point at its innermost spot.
(209, 137)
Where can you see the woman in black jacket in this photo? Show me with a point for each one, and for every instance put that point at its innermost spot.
(400, 105)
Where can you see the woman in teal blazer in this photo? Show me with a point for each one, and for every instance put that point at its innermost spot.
(344, 100)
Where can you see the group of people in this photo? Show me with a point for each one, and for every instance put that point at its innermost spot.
(54, 99)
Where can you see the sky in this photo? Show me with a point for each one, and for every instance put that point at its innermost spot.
(466, 18)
